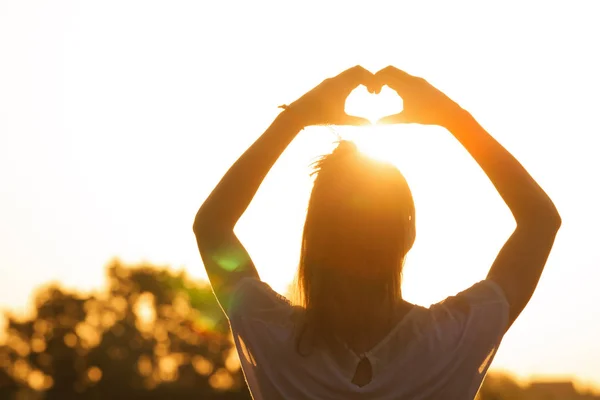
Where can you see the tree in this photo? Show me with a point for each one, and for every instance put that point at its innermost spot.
(151, 334)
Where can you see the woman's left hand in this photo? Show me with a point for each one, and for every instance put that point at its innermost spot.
(325, 104)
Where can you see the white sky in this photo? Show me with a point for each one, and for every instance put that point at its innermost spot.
(117, 118)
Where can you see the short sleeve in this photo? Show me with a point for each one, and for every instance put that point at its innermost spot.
(484, 312)
(486, 293)
(483, 308)
(252, 297)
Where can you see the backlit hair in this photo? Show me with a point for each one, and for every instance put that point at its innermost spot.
(360, 224)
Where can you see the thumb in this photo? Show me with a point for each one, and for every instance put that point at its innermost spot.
(353, 120)
(395, 119)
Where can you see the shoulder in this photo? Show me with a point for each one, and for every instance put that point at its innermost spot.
(480, 310)
(253, 297)
(477, 317)
(485, 299)
(484, 294)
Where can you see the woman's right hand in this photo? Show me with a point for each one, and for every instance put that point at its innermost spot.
(423, 103)
(325, 104)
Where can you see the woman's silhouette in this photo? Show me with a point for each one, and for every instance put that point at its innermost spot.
(354, 336)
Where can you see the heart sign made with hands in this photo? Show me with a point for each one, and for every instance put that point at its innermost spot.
(418, 102)
(373, 105)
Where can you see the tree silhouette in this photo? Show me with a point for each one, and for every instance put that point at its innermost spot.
(151, 334)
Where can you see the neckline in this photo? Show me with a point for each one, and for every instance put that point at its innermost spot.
(386, 338)
(352, 359)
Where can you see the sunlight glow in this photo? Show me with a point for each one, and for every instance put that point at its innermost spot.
(374, 141)
(103, 130)
(373, 106)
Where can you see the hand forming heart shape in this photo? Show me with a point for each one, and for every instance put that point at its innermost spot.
(422, 103)
(373, 106)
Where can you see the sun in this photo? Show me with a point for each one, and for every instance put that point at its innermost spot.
(374, 140)
(373, 106)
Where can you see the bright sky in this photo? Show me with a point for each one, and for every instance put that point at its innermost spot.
(118, 117)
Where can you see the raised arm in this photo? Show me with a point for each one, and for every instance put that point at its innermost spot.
(225, 259)
(518, 266)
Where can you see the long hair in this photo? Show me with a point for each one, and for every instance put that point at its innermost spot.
(359, 226)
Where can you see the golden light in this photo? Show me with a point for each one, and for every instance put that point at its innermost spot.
(168, 366)
(145, 312)
(232, 361)
(202, 365)
(144, 365)
(94, 374)
(373, 106)
(221, 380)
(38, 381)
(377, 141)
(70, 340)
(38, 344)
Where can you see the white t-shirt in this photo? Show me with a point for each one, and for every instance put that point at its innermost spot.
(442, 352)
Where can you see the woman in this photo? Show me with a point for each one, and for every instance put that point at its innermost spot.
(354, 337)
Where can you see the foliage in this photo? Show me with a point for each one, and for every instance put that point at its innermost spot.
(151, 334)
(499, 386)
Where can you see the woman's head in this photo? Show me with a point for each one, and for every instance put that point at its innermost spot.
(359, 227)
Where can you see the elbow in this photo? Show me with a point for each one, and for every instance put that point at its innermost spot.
(208, 225)
(557, 220)
(201, 223)
(553, 218)
(552, 223)
(546, 218)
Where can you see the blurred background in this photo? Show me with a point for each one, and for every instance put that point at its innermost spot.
(117, 118)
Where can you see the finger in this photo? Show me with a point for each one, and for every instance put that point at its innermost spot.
(400, 118)
(390, 70)
(355, 76)
(375, 87)
(393, 77)
(356, 72)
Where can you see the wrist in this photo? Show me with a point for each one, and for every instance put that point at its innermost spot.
(459, 119)
(290, 117)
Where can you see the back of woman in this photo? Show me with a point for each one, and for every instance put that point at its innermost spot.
(440, 352)
(352, 335)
